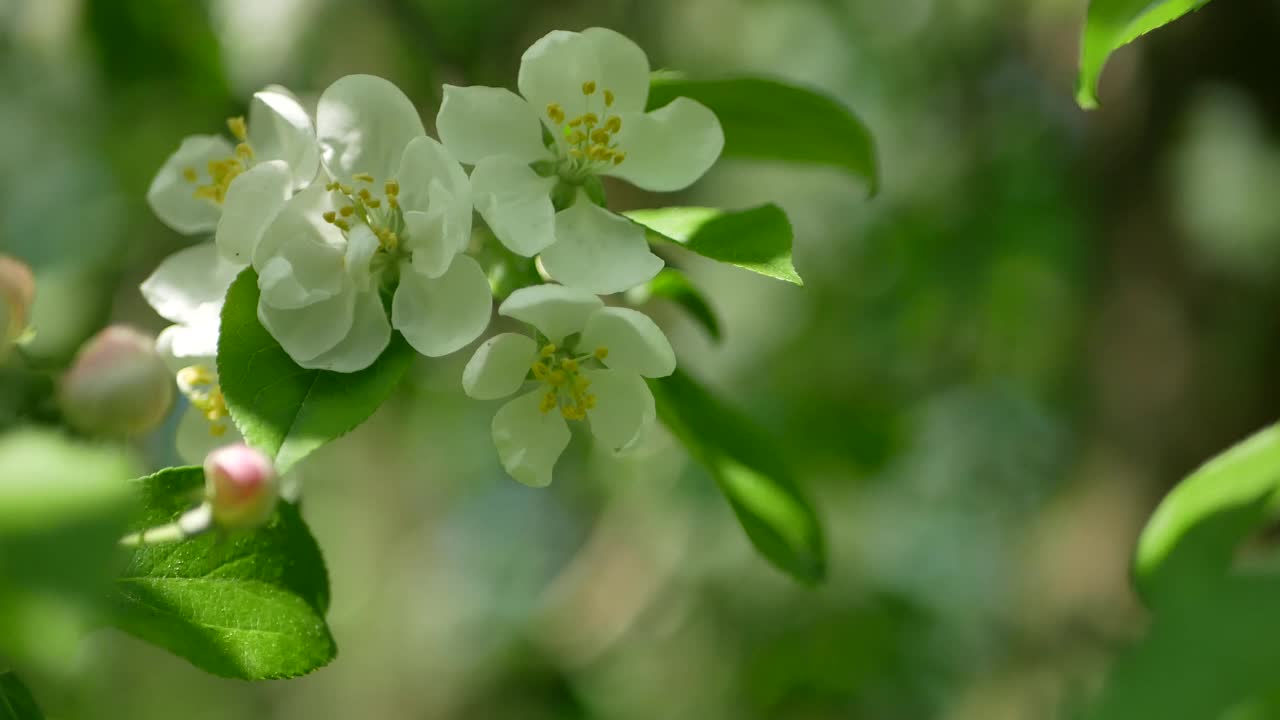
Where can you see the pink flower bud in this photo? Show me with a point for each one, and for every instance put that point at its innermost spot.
(17, 291)
(118, 385)
(241, 485)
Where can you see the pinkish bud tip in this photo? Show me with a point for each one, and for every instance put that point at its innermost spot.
(17, 292)
(118, 385)
(241, 485)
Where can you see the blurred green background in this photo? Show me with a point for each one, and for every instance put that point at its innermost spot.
(996, 368)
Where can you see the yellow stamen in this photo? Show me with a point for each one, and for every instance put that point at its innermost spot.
(346, 189)
(347, 210)
(393, 188)
(556, 113)
(608, 98)
(601, 352)
(588, 87)
(557, 378)
(590, 120)
(549, 401)
(600, 136)
(618, 157)
(569, 365)
(576, 138)
(365, 194)
(614, 124)
(363, 177)
(548, 350)
(239, 129)
(342, 225)
(374, 203)
(330, 217)
(575, 122)
(190, 174)
(540, 371)
(244, 152)
(589, 401)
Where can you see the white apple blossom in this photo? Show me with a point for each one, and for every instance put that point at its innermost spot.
(396, 213)
(588, 362)
(188, 289)
(209, 184)
(589, 91)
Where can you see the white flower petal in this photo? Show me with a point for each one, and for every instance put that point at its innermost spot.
(363, 124)
(555, 310)
(298, 225)
(516, 203)
(599, 251)
(499, 366)
(425, 239)
(635, 343)
(252, 201)
(308, 331)
(438, 316)
(197, 436)
(301, 258)
(424, 162)
(624, 68)
(180, 346)
(190, 285)
(280, 129)
(479, 122)
(623, 404)
(362, 245)
(528, 440)
(669, 148)
(172, 197)
(554, 68)
(368, 337)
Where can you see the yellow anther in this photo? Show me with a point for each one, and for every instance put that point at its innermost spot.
(588, 87)
(342, 225)
(598, 152)
(363, 177)
(332, 186)
(556, 113)
(556, 378)
(392, 187)
(548, 350)
(576, 138)
(330, 217)
(575, 153)
(601, 352)
(540, 371)
(392, 202)
(365, 194)
(613, 124)
(190, 174)
(549, 401)
(589, 401)
(590, 120)
(581, 383)
(244, 152)
(374, 203)
(600, 136)
(575, 122)
(346, 189)
(217, 429)
(347, 210)
(569, 365)
(239, 129)
(608, 98)
(618, 157)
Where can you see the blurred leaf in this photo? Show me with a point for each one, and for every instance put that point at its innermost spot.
(766, 119)
(758, 239)
(282, 409)
(63, 506)
(673, 285)
(141, 41)
(1112, 24)
(16, 702)
(248, 606)
(750, 472)
(1191, 539)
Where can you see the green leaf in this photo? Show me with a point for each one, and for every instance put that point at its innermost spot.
(1112, 24)
(1191, 539)
(282, 409)
(249, 605)
(758, 239)
(748, 468)
(63, 506)
(16, 702)
(673, 285)
(766, 119)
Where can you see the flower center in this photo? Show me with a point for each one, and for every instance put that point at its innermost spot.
(561, 372)
(200, 385)
(222, 172)
(590, 135)
(380, 212)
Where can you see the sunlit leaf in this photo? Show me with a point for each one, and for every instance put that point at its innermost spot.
(282, 409)
(248, 606)
(1112, 24)
(766, 119)
(758, 239)
(750, 472)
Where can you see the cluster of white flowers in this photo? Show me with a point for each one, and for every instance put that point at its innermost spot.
(360, 213)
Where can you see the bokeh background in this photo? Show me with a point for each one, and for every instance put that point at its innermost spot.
(996, 368)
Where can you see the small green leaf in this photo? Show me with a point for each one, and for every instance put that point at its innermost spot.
(282, 409)
(1191, 539)
(766, 119)
(673, 285)
(16, 702)
(249, 605)
(1112, 24)
(758, 239)
(749, 471)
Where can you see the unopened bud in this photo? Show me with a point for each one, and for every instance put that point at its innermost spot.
(118, 385)
(17, 291)
(241, 486)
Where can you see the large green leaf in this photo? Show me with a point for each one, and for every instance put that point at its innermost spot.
(282, 409)
(750, 472)
(766, 119)
(1191, 539)
(63, 506)
(249, 605)
(758, 239)
(673, 285)
(1112, 24)
(16, 702)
